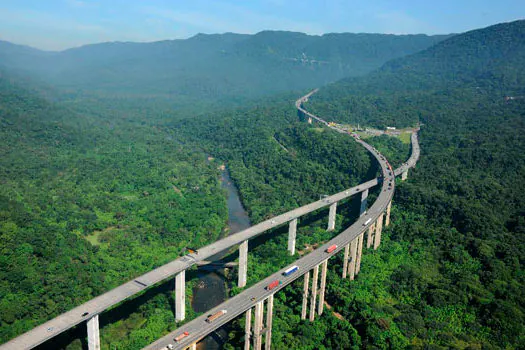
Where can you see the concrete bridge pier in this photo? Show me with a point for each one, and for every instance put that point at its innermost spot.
(345, 260)
(404, 175)
(305, 295)
(387, 217)
(370, 236)
(331, 217)
(324, 269)
(269, 317)
(364, 201)
(292, 233)
(360, 240)
(180, 296)
(379, 228)
(257, 328)
(248, 329)
(93, 333)
(193, 346)
(309, 120)
(243, 264)
(313, 296)
(353, 257)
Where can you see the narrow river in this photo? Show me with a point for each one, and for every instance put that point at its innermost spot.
(211, 289)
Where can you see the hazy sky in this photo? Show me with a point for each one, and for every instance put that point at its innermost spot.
(59, 24)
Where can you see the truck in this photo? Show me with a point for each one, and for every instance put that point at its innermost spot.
(215, 316)
(181, 336)
(273, 285)
(331, 248)
(291, 270)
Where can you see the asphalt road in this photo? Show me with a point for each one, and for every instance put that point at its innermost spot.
(97, 305)
(235, 306)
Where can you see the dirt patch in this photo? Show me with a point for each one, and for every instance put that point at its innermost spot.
(307, 249)
(336, 314)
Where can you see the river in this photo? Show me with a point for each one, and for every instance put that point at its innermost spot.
(211, 289)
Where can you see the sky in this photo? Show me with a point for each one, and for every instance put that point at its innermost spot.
(61, 24)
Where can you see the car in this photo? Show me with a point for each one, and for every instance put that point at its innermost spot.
(169, 347)
(252, 298)
(85, 314)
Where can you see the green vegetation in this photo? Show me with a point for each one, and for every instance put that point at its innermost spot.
(88, 203)
(98, 190)
(449, 273)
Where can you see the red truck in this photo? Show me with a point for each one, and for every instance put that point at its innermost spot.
(273, 285)
(331, 248)
(181, 336)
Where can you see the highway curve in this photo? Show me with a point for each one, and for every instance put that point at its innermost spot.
(235, 306)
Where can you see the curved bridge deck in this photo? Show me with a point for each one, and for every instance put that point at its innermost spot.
(241, 302)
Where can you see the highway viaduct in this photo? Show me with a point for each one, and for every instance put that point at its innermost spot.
(350, 240)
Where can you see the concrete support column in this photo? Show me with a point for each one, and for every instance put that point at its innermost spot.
(309, 120)
(379, 228)
(305, 295)
(353, 255)
(257, 328)
(345, 260)
(291, 236)
(370, 236)
(93, 333)
(313, 296)
(331, 217)
(193, 346)
(243, 263)
(180, 296)
(269, 316)
(248, 329)
(360, 240)
(404, 175)
(387, 217)
(324, 269)
(364, 200)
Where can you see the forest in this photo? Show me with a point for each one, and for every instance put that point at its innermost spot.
(99, 189)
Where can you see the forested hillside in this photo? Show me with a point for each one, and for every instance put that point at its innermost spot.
(96, 190)
(88, 202)
(214, 66)
(451, 271)
(486, 62)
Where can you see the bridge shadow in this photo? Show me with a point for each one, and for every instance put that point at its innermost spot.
(76, 337)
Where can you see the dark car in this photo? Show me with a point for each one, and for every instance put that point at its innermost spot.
(85, 314)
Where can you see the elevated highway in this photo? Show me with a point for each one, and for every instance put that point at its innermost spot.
(257, 294)
(89, 311)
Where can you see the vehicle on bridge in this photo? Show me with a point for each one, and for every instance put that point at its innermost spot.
(367, 222)
(192, 250)
(215, 316)
(331, 248)
(291, 270)
(273, 285)
(182, 336)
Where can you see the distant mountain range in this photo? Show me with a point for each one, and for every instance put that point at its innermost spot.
(488, 61)
(214, 65)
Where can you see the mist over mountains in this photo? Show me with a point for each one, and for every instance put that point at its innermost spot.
(214, 66)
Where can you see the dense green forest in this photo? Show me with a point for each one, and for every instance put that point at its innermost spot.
(449, 273)
(96, 190)
(88, 203)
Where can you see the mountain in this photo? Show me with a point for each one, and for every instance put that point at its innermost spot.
(454, 265)
(486, 61)
(214, 65)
